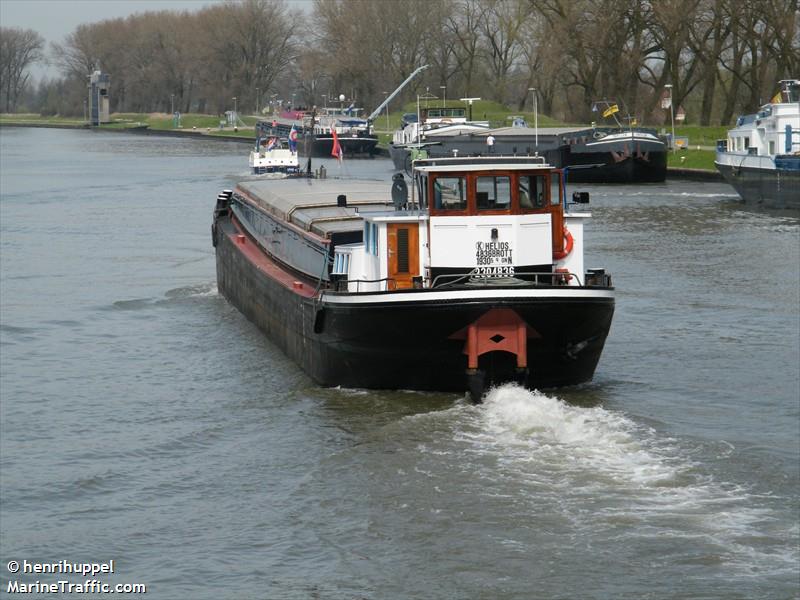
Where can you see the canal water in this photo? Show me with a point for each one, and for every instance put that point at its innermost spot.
(146, 421)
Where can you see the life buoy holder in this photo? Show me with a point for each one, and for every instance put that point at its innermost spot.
(569, 242)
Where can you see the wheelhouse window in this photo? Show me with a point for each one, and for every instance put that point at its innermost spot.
(532, 195)
(371, 238)
(450, 193)
(555, 190)
(422, 189)
(493, 193)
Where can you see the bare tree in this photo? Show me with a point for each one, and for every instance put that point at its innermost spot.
(719, 55)
(247, 45)
(464, 25)
(501, 31)
(707, 41)
(373, 46)
(594, 57)
(441, 48)
(106, 45)
(763, 47)
(19, 49)
(783, 17)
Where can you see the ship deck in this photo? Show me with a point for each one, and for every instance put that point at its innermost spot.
(542, 132)
(312, 204)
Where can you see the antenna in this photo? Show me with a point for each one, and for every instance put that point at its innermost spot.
(469, 101)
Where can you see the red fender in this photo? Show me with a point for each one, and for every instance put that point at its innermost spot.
(568, 244)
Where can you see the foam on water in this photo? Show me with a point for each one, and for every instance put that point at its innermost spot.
(208, 289)
(205, 290)
(602, 471)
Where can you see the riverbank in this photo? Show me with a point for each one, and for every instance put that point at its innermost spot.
(698, 158)
(694, 174)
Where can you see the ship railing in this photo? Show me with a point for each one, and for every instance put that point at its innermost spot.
(519, 278)
(343, 285)
(563, 278)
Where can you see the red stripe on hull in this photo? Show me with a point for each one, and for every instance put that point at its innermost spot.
(263, 263)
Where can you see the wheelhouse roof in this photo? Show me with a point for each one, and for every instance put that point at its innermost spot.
(483, 163)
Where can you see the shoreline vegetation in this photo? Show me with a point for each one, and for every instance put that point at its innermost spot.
(697, 156)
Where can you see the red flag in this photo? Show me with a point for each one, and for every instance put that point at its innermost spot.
(336, 151)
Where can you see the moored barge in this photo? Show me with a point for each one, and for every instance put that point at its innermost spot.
(473, 278)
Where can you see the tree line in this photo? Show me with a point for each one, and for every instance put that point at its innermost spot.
(719, 57)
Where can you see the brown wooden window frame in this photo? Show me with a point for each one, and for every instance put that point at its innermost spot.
(552, 204)
(435, 210)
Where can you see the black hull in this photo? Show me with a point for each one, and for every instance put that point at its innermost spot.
(770, 188)
(412, 344)
(321, 147)
(631, 169)
(627, 170)
(410, 347)
(401, 156)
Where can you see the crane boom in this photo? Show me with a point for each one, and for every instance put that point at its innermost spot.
(378, 110)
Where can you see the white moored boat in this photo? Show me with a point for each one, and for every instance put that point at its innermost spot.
(272, 155)
(761, 156)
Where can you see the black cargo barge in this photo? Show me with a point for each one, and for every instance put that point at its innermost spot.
(320, 145)
(449, 321)
(634, 155)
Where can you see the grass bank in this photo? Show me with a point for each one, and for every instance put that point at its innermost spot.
(211, 125)
(34, 119)
(692, 159)
(195, 123)
(698, 155)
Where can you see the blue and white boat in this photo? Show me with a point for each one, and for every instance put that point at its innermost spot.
(272, 155)
(761, 157)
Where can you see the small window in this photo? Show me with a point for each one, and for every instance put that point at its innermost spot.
(422, 190)
(532, 192)
(375, 239)
(493, 193)
(341, 264)
(772, 147)
(450, 193)
(555, 190)
(367, 230)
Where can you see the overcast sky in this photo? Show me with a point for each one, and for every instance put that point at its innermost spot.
(55, 19)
